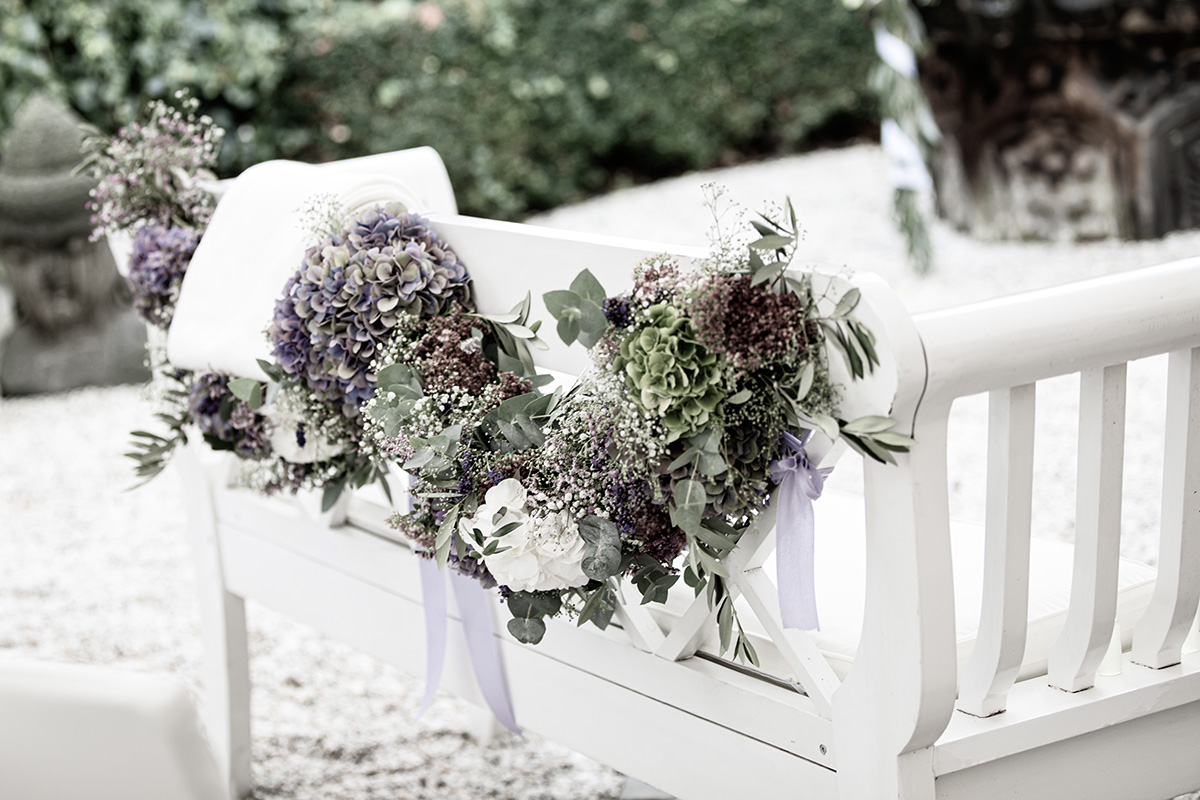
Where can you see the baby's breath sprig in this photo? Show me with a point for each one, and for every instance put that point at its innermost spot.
(154, 171)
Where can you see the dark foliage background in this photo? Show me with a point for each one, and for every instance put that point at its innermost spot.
(531, 103)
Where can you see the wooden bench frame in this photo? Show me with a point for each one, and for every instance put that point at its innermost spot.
(890, 729)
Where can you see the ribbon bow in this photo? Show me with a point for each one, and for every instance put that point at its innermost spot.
(799, 484)
(479, 625)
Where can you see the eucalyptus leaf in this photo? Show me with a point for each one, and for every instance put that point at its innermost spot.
(568, 329)
(514, 435)
(271, 370)
(739, 397)
(725, 624)
(527, 631)
(772, 242)
(714, 540)
(891, 440)
(331, 494)
(764, 230)
(506, 529)
(530, 430)
(445, 536)
(687, 457)
(420, 459)
(520, 331)
(587, 287)
(602, 565)
(562, 302)
(711, 464)
(248, 390)
(592, 324)
(807, 375)
(602, 552)
(869, 424)
(690, 501)
(847, 302)
(599, 607)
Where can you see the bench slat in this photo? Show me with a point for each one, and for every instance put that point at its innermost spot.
(1000, 644)
(1088, 630)
(1159, 636)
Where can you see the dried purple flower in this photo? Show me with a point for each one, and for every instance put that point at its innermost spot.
(618, 311)
(750, 325)
(224, 419)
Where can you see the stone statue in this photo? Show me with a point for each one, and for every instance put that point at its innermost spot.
(77, 328)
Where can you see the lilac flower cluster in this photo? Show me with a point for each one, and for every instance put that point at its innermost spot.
(160, 258)
(225, 421)
(340, 308)
(150, 172)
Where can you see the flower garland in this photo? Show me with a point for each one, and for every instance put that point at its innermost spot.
(363, 290)
(653, 464)
(152, 183)
(649, 468)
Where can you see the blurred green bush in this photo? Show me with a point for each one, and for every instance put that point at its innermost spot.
(531, 103)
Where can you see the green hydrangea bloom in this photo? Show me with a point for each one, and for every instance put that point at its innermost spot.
(671, 374)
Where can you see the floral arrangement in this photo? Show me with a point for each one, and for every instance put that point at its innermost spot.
(368, 286)
(152, 180)
(153, 172)
(653, 464)
(704, 381)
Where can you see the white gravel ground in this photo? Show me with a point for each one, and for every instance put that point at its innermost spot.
(91, 573)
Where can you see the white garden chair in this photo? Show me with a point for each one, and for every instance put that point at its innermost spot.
(930, 629)
(82, 731)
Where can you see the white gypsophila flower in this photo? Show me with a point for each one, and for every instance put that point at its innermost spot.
(545, 551)
(295, 437)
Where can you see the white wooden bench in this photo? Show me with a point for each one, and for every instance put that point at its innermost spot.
(930, 629)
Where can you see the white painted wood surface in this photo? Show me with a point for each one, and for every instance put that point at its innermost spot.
(1158, 638)
(225, 672)
(1000, 643)
(1093, 611)
(893, 733)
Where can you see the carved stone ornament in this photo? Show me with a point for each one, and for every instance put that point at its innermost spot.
(1066, 119)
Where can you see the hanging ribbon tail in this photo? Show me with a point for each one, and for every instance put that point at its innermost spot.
(794, 559)
(799, 484)
(433, 595)
(479, 624)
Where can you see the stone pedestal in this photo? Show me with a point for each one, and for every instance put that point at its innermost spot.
(76, 327)
(106, 351)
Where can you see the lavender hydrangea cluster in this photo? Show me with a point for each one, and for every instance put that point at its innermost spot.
(224, 420)
(338, 310)
(160, 257)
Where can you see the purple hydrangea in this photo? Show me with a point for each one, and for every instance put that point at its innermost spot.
(338, 310)
(160, 258)
(221, 417)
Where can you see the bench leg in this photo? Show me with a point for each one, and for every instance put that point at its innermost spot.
(227, 685)
(225, 669)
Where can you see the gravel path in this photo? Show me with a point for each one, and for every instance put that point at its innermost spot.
(94, 574)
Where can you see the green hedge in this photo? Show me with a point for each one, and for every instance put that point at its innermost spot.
(531, 102)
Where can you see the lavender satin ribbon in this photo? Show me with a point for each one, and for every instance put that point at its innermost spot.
(474, 604)
(799, 484)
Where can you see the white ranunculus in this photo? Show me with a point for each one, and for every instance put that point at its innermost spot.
(545, 549)
(285, 440)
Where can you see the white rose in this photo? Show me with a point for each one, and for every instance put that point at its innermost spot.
(545, 551)
(285, 428)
